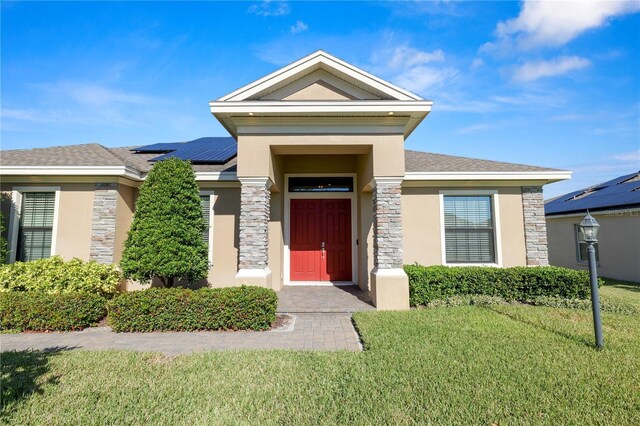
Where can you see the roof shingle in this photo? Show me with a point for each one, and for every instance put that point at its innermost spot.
(98, 155)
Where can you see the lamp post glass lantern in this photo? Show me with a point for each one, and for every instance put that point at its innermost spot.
(589, 229)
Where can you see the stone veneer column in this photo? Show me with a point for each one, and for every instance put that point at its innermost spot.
(389, 282)
(535, 227)
(253, 250)
(103, 227)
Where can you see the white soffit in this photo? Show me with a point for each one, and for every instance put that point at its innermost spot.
(326, 62)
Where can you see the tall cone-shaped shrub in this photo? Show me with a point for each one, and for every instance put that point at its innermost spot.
(165, 240)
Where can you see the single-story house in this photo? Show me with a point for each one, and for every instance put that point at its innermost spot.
(313, 186)
(616, 206)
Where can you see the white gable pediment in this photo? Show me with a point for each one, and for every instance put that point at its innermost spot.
(319, 85)
(355, 82)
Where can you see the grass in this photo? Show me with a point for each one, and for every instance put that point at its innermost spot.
(503, 364)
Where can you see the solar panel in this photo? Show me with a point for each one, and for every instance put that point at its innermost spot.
(615, 193)
(210, 150)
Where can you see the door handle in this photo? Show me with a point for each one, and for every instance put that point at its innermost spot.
(323, 249)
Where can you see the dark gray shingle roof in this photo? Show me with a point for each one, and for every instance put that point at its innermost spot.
(418, 161)
(98, 155)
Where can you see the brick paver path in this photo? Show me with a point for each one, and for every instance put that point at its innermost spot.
(320, 319)
(323, 299)
(322, 332)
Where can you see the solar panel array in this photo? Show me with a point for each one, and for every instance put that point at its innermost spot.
(218, 150)
(621, 192)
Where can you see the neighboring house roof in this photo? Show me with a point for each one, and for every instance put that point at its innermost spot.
(95, 155)
(618, 193)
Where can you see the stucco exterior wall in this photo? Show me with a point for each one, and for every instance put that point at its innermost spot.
(126, 201)
(422, 225)
(73, 234)
(618, 241)
(226, 214)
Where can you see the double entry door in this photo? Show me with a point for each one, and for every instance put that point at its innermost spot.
(320, 240)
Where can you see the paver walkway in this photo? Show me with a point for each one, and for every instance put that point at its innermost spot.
(323, 299)
(321, 332)
(320, 320)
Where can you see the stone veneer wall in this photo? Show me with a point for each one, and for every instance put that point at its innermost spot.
(255, 199)
(535, 227)
(387, 225)
(103, 228)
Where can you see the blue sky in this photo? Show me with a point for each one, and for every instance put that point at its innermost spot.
(555, 84)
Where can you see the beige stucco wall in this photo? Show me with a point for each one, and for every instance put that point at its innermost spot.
(256, 152)
(618, 240)
(226, 211)
(421, 225)
(125, 206)
(73, 232)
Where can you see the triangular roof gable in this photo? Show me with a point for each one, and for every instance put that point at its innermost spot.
(320, 60)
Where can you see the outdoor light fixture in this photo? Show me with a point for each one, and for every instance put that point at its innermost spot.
(391, 113)
(251, 114)
(589, 230)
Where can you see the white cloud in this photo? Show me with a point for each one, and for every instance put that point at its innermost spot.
(299, 27)
(421, 78)
(531, 71)
(477, 63)
(411, 68)
(270, 8)
(476, 128)
(405, 56)
(633, 157)
(555, 23)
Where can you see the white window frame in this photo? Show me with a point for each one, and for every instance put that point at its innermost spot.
(495, 206)
(16, 210)
(212, 200)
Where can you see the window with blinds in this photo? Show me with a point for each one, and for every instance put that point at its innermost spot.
(206, 214)
(36, 225)
(468, 228)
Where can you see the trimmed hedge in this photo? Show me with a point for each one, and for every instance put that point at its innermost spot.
(177, 309)
(50, 312)
(427, 283)
(54, 275)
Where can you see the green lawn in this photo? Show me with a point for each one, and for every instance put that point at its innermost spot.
(465, 365)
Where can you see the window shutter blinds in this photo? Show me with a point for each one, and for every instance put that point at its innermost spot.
(36, 225)
(206, 214)
(468, 229)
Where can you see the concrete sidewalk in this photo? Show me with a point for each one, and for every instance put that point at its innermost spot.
(319, 332)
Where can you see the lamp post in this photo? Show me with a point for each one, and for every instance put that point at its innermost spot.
(589, 229)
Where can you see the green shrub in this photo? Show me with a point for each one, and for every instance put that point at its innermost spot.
(54, 275)
(50, 312)
(165, 240)
(466, 300)
(605, 305)
(427, 283)
(177, 309)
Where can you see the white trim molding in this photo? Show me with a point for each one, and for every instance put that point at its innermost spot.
(495, 205)
(318, 60)
(253, 273)
(548, 176)
(16, 211)
(124, 171)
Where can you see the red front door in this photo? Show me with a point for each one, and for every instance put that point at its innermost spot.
(320, 240)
